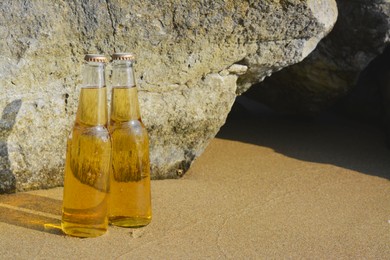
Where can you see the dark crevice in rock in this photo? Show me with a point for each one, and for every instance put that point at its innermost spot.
(66, 97)
(7, 121)
(111, 19)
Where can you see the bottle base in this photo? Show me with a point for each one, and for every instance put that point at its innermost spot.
(75, 230)
(130, 222)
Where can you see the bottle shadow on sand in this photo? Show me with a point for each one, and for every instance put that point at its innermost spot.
(31, 211)
(328, 138)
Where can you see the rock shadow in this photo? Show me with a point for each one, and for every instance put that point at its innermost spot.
(7, 121)
(327, 138)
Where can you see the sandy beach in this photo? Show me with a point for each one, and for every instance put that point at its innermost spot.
(267, 187)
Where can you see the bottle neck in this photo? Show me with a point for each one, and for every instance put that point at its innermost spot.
(124, 99)
(94, 75)
(92, 108)
(122, 74)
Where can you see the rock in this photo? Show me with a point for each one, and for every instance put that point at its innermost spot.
(193, 59)
(332, 70)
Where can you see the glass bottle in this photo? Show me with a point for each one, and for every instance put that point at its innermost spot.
(130, 196)
(88, 157)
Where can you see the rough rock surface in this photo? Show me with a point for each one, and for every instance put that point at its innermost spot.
(333, 69)
(193, 59)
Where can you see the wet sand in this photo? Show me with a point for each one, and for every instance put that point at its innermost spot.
(267, 187)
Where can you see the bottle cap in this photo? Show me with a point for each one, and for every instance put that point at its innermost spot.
(95, 58)
(123, 56)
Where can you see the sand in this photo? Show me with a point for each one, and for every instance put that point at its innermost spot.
(268, 187)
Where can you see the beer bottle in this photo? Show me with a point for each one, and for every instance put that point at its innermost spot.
(130, 199)
(88, 157)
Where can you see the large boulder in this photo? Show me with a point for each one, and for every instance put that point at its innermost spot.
(333, 70)
(193, 58)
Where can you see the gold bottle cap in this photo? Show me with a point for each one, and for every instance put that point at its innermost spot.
(95, 58)
(123, 56)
